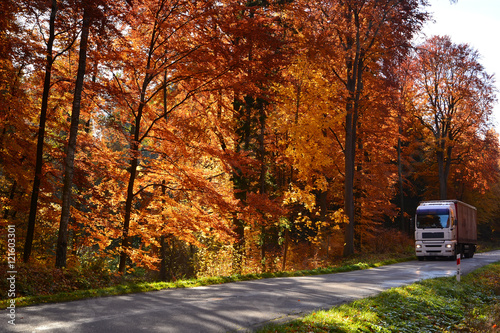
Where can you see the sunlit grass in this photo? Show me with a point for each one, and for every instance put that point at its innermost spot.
(436, 305)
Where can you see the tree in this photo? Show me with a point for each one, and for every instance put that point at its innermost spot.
(68, 37)
(62, 240)
(477, 169)
(172, 48)
(41, 135)
(93, 12)
(355, 37)
(256, 35)
(453, 99)
(16, 139)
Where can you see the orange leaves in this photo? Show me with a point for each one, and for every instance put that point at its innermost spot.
(453, 99)
(200, 116)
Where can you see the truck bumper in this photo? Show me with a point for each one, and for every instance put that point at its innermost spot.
(435, 248)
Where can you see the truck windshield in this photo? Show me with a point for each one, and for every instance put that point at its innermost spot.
(433, 218)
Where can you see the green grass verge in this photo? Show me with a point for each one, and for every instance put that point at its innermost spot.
(436, 305)
(350, 265)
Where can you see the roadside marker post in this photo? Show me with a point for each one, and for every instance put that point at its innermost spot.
(458, 267)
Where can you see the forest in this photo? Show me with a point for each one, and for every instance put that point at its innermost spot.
(211, 137)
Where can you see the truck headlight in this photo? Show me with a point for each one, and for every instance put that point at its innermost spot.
(448, 246)
(419, 246)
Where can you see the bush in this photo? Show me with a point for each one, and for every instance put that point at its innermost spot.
(43, 279)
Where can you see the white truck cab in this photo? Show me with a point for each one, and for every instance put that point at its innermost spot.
(444, 228)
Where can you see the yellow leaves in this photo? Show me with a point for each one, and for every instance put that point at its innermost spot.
(321, 184)
(318, 228)
(339, 217)
(297, 195)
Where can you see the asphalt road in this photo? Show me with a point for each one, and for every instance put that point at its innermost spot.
(240, 306)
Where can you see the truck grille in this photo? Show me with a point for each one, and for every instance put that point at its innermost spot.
(433, 235)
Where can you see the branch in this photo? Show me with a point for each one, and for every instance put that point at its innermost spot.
(188, 95)
(124, 94)
(337, 139)
(154, 185)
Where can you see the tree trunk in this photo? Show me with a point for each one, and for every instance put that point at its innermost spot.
(163, 262)
(163, 250)
(404, 227)
(350, 147)
(241, 185)
(41, 135)
(441, 174)
(444, 165)
(69, 161)
(442, 180)
(285, 249)
(262, 180)
(323, 211)
(135, 132)
(130, 196)
(354, 87)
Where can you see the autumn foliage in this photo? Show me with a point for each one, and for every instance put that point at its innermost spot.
(217, 137)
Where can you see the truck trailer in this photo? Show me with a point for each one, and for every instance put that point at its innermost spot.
(445, 228)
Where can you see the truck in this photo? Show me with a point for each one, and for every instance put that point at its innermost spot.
(445, 228)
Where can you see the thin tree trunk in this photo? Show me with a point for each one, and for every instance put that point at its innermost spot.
(241, 186)
(401, 192)
(323, 205)
(263, 170)
(163, 249)
(285, 249)
(41, 136)
(350, 147)
(442, 180)
(130, 197)
(290, 180)
(447, 169)
(163, 262)
(135, 134)
(69, 162)
(354, 87)
(444, 164)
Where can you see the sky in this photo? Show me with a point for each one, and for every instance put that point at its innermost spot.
(475, 22)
